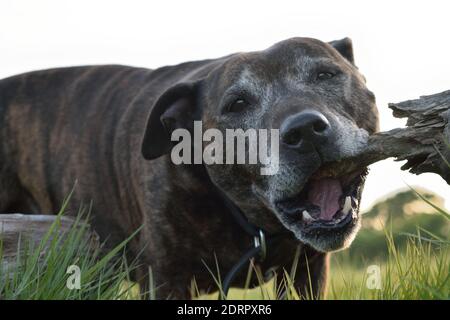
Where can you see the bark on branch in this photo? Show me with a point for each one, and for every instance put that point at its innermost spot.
(423, 143)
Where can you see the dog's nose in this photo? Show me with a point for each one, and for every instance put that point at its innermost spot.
(308, 126)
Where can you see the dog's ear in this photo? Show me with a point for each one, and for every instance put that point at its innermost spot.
(345, 48)
(176, 108)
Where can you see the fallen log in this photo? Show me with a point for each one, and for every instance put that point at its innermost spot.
(20, 232)
(423, 143)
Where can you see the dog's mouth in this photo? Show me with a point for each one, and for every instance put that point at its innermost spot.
(327, 201)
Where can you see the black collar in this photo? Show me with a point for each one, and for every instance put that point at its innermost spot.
(257, 251)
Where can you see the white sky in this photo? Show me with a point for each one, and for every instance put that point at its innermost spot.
(402, 47)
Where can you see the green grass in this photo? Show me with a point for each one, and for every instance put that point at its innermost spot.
(421, 270)
(42, 271)
(417, 268)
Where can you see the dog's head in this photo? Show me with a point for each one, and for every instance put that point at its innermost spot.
(314, 94)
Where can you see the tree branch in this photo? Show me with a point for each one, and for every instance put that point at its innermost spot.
(423, 143)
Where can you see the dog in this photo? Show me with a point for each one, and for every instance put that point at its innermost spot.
(108, 129)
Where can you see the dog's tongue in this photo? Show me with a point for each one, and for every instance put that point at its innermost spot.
(325, 193)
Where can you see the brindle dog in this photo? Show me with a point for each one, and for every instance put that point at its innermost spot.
(108, 129)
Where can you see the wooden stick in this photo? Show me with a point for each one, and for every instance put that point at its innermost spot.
(423, 143)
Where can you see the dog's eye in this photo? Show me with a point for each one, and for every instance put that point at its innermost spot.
(325, 75)
(237, 105)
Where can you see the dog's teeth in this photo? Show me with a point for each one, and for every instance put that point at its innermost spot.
(307, 216)
(347, 205)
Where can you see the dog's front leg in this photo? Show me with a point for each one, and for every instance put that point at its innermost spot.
(311, 276)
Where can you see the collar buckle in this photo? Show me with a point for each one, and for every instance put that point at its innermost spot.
(259, 241)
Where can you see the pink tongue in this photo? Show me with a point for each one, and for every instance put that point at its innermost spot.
(325, 193)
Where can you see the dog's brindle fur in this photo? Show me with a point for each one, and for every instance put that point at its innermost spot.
(84, 126)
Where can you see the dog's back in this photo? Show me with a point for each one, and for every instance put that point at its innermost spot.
(59, 128)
